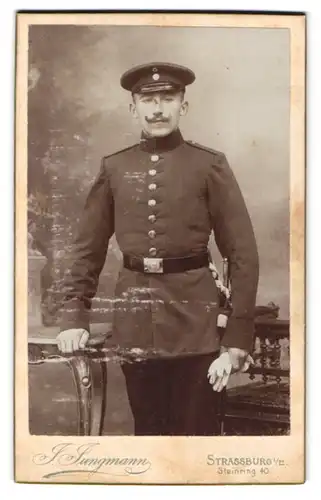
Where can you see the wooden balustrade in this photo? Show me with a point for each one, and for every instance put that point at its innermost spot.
(262, 405)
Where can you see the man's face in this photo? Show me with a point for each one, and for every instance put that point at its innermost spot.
(158, 113)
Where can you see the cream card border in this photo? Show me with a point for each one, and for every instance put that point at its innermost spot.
(169, 459)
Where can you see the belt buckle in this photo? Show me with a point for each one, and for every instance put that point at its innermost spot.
(153, 265)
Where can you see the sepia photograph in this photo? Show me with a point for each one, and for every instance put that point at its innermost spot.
(161, 211)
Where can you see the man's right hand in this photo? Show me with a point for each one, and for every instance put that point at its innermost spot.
(72, 340)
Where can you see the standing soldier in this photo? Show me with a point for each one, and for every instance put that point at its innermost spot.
(162, 198)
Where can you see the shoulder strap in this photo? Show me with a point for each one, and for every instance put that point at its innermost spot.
(121, 151)
(205, 148)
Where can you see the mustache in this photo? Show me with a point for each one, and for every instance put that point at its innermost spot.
(159, 119)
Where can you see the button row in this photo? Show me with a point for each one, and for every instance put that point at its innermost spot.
(152, 203)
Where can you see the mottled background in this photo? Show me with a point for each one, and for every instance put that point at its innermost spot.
(78, 112)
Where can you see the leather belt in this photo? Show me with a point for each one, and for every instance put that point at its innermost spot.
(153, 265)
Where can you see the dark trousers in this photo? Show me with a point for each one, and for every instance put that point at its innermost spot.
(173, 396)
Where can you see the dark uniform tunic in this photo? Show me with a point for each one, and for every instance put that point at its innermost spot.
(162, 198)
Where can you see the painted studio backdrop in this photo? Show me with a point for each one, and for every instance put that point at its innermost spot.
(77, 113)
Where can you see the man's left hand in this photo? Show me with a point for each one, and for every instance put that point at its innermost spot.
(231, 360)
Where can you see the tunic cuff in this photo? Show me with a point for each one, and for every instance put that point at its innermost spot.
(74, 315)
(239, 333)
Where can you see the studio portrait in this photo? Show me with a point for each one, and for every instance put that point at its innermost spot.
(158, 230)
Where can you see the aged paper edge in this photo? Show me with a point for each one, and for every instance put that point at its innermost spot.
(174, 460)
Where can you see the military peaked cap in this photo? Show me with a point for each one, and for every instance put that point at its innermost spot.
(156, 76)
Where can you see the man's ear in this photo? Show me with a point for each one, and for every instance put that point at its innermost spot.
(184, 108)
(132, 109)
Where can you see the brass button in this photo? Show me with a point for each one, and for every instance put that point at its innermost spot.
(152, 187)
(151, 203)
(152, 218)
(152, 251)
(154, 158)
(152, 172)
(152, 233)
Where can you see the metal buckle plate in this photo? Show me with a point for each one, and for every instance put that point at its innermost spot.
(153, 265)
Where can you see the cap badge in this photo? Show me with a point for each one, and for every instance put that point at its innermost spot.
(155, 76)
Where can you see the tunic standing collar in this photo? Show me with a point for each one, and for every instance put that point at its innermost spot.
(159, 144)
